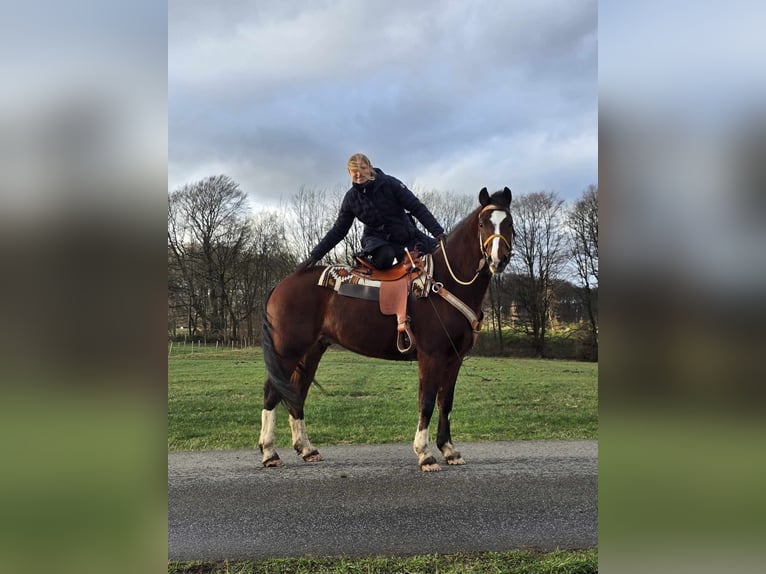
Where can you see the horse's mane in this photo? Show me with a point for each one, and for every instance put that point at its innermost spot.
(467, 222)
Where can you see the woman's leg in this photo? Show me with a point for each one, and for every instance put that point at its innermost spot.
(383, 256)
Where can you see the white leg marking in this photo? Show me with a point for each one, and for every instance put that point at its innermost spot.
(420, 446)
(268, 433)
(301, 442)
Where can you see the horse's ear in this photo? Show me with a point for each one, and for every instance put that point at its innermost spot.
(483, 196)
(507, 194)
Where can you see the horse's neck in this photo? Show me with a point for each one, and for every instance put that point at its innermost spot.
(464, 254)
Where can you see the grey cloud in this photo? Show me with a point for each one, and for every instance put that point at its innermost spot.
(289, 91)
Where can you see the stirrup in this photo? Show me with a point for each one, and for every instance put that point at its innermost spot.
(405, 340)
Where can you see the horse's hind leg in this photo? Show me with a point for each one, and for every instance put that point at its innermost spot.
(269, 425)
(304, 376)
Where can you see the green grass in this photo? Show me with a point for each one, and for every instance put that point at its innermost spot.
(519, 561)
(215, 400)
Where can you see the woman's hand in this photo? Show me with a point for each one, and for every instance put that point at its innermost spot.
(310, 262)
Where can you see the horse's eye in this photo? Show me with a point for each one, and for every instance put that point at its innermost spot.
(481, 224)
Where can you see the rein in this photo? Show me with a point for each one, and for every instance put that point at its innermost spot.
(438, 287)
(482, 247)
(452, 273)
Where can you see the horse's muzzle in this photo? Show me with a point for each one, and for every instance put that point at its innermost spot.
(498, 267)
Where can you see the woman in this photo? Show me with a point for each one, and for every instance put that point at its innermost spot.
(382, 203)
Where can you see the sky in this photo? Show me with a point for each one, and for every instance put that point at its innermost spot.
(445, 95)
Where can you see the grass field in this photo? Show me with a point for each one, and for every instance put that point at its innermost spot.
(215, 400)
(516, 562)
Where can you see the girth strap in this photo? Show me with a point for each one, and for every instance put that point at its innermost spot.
(467, 312)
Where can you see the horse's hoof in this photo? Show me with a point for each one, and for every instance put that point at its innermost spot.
(273, 462)
(430, 467)
(454, 457)
(313, 456)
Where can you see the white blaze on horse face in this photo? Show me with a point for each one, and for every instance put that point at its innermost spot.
(496, 218)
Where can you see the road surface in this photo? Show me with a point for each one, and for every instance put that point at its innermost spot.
(373, 500)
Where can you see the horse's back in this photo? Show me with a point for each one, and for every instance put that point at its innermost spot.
(302, 311)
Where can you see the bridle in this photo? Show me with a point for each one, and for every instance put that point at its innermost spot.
(494, 235)
(437, 287)
(482, 246)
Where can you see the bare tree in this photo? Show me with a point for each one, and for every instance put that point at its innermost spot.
(266, 260)
(186, 279)
(309, 212)
(583, 229)
(209, 218)
(541, 253)
(494, 306)
(447, 208)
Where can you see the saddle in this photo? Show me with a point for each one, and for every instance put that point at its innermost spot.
(391, 288)
(395, 288)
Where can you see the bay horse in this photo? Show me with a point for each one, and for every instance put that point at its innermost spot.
(302, 319)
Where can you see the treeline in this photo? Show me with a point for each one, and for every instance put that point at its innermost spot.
(223, 259)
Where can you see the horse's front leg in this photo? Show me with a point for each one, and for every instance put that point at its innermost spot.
(444, 435)
(428, 386)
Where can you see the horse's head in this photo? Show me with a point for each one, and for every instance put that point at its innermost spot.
(496, 228)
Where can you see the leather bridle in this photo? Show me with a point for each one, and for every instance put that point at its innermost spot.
(489, 239)
(482, 246)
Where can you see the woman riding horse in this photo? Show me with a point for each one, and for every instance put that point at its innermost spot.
(303, 318)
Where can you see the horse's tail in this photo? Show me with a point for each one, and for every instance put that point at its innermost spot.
(279, 380)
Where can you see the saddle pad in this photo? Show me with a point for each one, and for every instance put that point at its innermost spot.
(421, 286)
(334, 276)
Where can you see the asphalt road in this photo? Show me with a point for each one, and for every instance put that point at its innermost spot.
(373, 500)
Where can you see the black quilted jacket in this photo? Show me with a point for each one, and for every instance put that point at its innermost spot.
(382, 205)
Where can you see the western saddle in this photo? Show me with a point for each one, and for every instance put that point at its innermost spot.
(395, 288)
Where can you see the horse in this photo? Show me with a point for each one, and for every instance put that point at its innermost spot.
(302, 319)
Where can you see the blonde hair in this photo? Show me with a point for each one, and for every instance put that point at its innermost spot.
(359, 159)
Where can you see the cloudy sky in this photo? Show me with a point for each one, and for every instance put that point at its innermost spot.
(446, 95)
